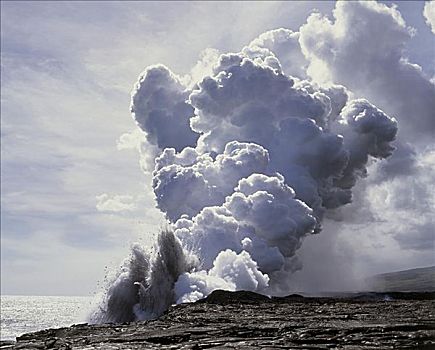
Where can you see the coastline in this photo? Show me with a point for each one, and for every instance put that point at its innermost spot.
(246, 320)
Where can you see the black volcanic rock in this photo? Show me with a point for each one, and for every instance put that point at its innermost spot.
(224, 297)
(245, 320)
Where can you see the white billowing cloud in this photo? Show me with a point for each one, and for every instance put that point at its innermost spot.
(270, 154)
(204, 67)
(252, 102)
(363, 48)
(115, 203)
(229, 194)
(429, 14)
(197, 285)
(230, 271)
(262, 217)
(159, 106)
(245, 100)
(284, 44)
(185, 183)
(372, 133)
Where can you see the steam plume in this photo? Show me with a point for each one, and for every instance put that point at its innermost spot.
(248, 160)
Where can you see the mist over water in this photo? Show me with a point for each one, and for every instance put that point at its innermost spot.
(248, 155)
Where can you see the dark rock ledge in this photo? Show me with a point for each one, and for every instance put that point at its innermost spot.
(245, 320)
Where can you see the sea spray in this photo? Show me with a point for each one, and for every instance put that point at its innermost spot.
(143, 288)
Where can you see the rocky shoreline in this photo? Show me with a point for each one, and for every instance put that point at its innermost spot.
(245, 320)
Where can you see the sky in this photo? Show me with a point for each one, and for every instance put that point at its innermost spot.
(73, 195)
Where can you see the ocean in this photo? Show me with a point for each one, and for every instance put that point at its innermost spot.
(24, 314)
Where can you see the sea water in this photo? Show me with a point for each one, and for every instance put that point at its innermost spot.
(24, 314)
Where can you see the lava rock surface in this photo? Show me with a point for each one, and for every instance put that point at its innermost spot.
(246, 320)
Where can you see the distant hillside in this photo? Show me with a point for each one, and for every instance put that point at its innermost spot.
(415, 280)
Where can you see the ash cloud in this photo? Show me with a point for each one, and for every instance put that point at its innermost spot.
(255, 150)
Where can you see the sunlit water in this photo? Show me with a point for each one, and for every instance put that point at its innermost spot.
(24, 314)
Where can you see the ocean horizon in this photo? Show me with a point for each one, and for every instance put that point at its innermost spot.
(22, 314)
